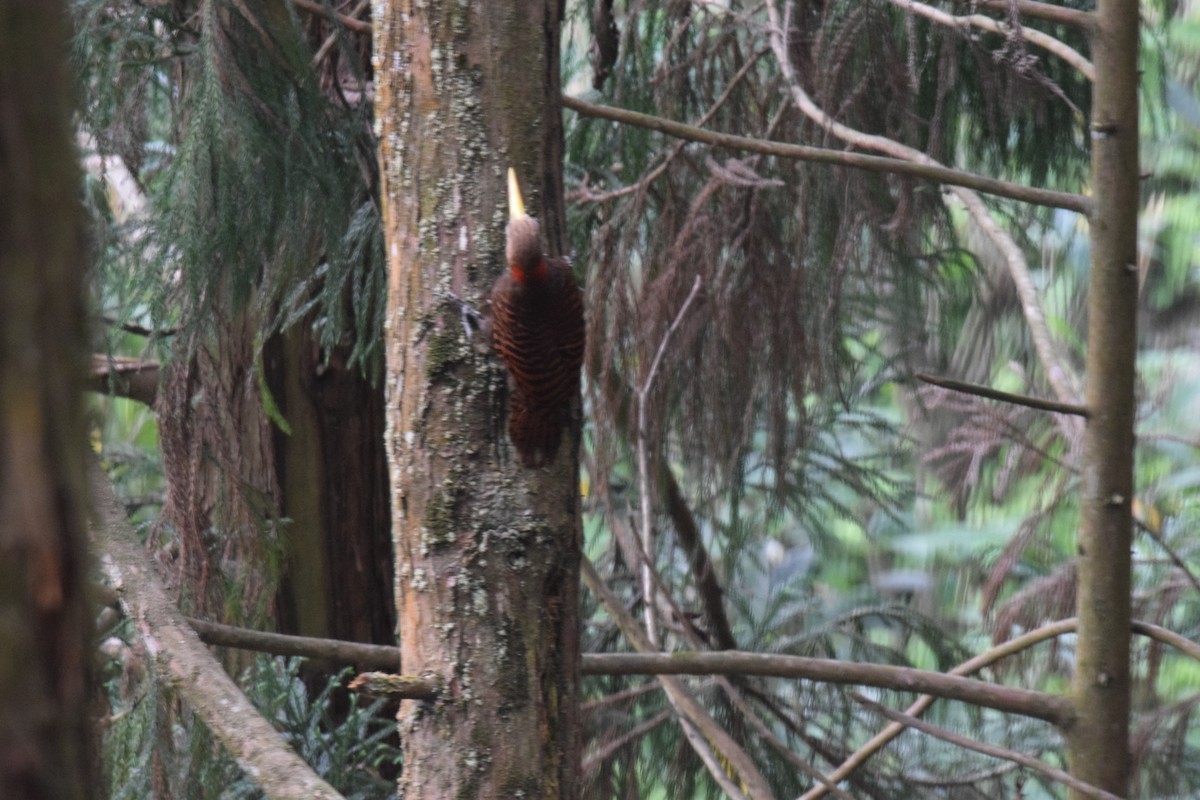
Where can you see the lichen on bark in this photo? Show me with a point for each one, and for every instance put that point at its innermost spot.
(487, 551)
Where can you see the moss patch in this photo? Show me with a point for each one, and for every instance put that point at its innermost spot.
(444, 351)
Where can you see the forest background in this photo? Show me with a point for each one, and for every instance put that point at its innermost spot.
(761, 412)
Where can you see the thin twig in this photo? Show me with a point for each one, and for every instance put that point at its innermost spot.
(927, 170)
(1007, 397)
(647, 533)
(992, 750)
(331, 40)
(585, 194)
(345, 19)
(1176, 559)
(662, 345)
(617, 698)
(138, 330)
(607, 750)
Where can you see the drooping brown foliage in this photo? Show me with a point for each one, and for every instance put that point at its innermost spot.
(796, 260)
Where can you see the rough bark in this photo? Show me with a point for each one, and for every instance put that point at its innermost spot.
(222, 501)
(1099, 742)
(43, 621)
(487, 551)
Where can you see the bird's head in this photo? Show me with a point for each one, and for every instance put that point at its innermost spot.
(523, 246)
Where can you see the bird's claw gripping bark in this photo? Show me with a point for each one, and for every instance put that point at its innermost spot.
(472, 318)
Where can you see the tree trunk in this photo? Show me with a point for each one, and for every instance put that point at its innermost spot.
(333, 482)
(487, 551)
(1099, 741)
(43, 621)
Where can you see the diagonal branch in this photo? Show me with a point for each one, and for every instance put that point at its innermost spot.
(703, 572)
(643, 428)
(928, 169)
(1025, 702)
(1176, 559)
(703, 732)
(606, 751)
(987, 749)
(194, 674)
(971, 666)
(351, 22)
(1006, 397)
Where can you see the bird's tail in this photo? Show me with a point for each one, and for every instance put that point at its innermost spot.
(535, 431)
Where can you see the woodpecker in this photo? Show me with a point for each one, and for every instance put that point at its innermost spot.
(538, 332)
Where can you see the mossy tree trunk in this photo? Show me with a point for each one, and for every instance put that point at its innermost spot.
(1099, 741)
(487, 551)
(44, 627)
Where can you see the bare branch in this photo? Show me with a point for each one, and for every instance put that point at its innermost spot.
(1038, 705)
(703, 572)
(386, 657)
(131, 378)
(879, 740)
(381, 656)
(1044, 11)
(1159, 633)
(355, 654)
(1006, 397)
(1031, 35)
(195, 675)
(987, 749)
(702, 731)
(928, 169)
